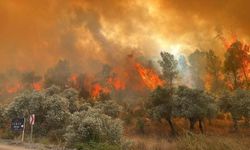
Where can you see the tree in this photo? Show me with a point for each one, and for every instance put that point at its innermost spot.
(110, 108)
(237, 62)
(195, 105)
(29, 78)
(56, 115)
(169, 67)
(214, 69)
(1, 116)
(198, 62)
(237, 104)
(92, 125)
(161, 105)
(72, 96)
(25, 104)
(58, 75)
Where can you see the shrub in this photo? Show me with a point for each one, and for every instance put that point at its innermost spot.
(109, 108)
(92, 125)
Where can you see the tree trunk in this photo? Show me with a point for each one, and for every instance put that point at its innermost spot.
(235, 125)
(192, 123)
(171, 126)
(200, 126)
(235, 80)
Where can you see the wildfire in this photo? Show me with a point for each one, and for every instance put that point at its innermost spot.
(13, 89)
(116, 83)
(97, 89)
(149, 77)
(37, 86)
(73, 78)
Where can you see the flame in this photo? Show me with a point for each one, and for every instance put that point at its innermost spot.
(149, 76)
(15, 88)
(117, 83)
(97, 89)
(73, 78)
(37, 86)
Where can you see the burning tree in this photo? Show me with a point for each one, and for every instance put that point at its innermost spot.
(214, 69)
(58, 75)
(237, 62)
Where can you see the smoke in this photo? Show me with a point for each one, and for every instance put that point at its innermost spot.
(36, 34)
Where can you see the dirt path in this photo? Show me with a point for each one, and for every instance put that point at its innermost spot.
(11, 147)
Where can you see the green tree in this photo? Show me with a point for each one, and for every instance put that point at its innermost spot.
(2, 116)
(72, 96)
(161, 105)
(92, 125)
(195, 105)
(169, 67)
(25, 104)
(58, 75)
(237, 104)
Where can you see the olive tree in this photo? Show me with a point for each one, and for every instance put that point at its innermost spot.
(25, 104)
(72, 96)
(161, 105)
(195, 105)
(110, 108)
(93, 125)
(237, 104)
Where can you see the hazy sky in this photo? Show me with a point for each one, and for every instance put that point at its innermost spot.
(35, 34)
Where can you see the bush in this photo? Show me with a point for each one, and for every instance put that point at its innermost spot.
(92, 125)
(109, 108)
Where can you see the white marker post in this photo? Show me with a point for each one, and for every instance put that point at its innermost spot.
(23, 129)
(32, 122)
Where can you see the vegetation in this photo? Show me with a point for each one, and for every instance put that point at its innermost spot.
(71, 115)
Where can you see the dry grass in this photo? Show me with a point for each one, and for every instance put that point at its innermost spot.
(191, 141)
(148, 143)
(202, 142)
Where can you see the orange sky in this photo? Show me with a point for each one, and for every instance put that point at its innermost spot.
(35, 34)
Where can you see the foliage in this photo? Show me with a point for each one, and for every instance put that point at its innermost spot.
(169, 67)
(56, 108)
(236, 103)
(58, 75)
(195, 105)
(92, 125)
(1, 117)
(192, 103)
(214, 69)
(72, 96)
(109, 108)
(161, 105)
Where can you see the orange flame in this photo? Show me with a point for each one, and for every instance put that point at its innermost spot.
(149, 77)
(97, 89)
(15, 88)
(116, 83)
(37, 86)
